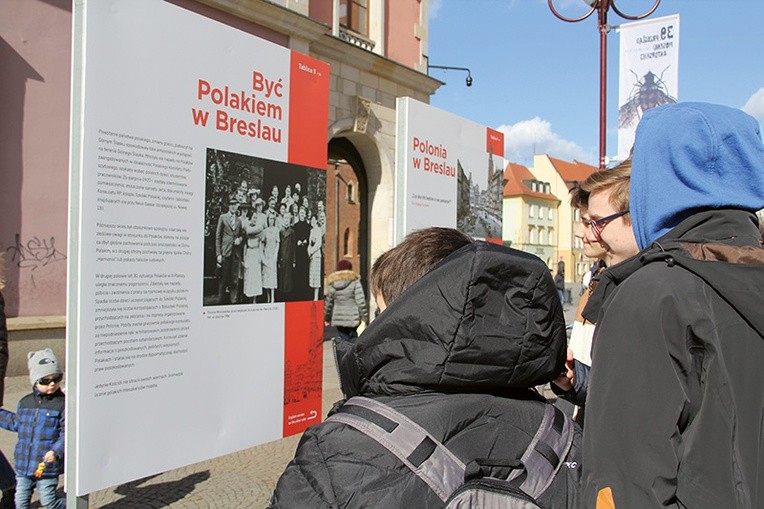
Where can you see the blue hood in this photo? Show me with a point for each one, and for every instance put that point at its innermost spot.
(690, 157)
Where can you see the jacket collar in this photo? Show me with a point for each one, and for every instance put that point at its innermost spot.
(727, 236)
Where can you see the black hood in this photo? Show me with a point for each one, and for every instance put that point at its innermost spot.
(488, 318)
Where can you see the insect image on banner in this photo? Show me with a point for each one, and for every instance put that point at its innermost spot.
(648, 92)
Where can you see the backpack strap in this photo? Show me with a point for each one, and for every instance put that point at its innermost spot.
(409, 442)
(546, 453)
(437, 466)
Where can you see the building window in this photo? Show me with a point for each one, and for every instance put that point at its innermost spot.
(576, 214)
(550, 213)
(346, 242)
(551, 236)
(350, 192)
(532, 211)
(542, 236)
(354, 14)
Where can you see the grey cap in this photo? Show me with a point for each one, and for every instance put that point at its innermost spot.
(42, 363)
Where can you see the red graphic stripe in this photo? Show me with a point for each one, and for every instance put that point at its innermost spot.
(303, 365)
(308, 111)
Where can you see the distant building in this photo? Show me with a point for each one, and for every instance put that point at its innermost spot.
(538, 217)
(530, 219)
(562, 176)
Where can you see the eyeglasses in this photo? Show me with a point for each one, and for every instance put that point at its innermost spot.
(50, 380)
(597, 225)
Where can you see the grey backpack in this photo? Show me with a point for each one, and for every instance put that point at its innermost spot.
(462, 486)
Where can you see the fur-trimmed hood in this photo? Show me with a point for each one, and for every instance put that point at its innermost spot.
(341, 276)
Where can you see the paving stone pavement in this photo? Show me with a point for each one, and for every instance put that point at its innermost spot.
(244, 479)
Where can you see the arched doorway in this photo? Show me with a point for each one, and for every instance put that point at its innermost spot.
(346, 209)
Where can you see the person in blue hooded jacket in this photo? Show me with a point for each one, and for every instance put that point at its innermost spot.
(675, 409)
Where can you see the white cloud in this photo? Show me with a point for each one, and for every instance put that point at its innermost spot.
(528, 137)
(755, 105)
(433, 6)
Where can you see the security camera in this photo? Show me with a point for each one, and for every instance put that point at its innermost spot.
(469, 81)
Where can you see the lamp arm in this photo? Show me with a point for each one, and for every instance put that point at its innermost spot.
(573, 20)
(449, 68)
(634, 18)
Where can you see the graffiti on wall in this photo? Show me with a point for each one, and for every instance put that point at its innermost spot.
(34, 253)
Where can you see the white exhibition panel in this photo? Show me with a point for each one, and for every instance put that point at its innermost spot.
(164, 381)
(432, 148)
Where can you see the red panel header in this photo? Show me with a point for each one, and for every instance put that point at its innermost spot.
(308, 111)
(494, 142)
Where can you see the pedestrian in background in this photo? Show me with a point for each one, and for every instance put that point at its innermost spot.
(345, 303)
(39, 422)
(559, 281)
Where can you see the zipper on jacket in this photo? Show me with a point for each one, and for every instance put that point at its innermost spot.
(38, 404)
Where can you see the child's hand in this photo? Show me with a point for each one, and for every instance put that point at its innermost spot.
(49, 457)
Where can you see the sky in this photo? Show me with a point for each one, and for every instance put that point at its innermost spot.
(536, 77)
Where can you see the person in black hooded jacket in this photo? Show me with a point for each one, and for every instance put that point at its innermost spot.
(676, 403)
(466, 328)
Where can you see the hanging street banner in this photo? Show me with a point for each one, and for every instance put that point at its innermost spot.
(649, 73)
(449, 172)
(197, 197)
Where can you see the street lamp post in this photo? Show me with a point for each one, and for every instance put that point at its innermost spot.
(602, 6)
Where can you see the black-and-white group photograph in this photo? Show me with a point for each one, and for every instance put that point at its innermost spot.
(264, 229)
